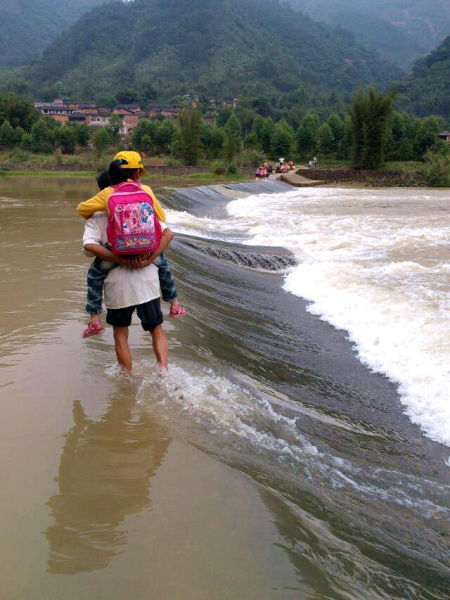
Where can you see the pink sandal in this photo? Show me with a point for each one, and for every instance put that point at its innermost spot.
(177, 311)
(93, 328)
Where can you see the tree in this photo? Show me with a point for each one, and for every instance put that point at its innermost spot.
(7, 135)
(26, 142)
(115, 125)
(82, 134)
(437, 167)
(190, 128)
(146, 143)
(223, 116)
(261, 105)
(143, 129)
(19, 113)
(18, 133)
(345, 146)
(126, 95)
(164, 132)
(246, 117)
(233, 137)
(427, 135)
(65, 138)
(265, 134)
(212, 139)
(106, 100)
(337, 127)
(325, 139)
(370, 114)
(42, 137)
(307, 135)
(251, 140)
(101, 140)
(281, 139)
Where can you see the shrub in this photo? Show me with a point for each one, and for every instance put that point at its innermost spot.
(18, 156)
(251, 158)
(437, 168)
(218, 167)
(173, 162)
(73, 161)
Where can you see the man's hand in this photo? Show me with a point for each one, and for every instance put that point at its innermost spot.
(140, 261)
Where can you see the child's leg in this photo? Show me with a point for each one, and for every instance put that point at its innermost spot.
(168, 287)
(96, 275)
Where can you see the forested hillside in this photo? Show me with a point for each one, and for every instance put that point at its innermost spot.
(426, 91)
(160, 49)
(28, 26)
(400, 30)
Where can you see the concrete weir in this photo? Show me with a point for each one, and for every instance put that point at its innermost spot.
(299, 180)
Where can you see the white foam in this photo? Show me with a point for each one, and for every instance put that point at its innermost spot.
(380, 274)
(374, 263)
(242, 414)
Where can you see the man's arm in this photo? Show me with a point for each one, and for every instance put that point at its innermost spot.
(105, 254)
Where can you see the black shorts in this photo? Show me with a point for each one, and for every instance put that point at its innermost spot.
(149, 313)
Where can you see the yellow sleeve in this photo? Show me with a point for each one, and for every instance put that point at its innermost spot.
(159, 211)
(99, 202)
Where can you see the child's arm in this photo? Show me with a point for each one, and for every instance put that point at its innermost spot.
(159, 211)
(105, 254)
(98, 203)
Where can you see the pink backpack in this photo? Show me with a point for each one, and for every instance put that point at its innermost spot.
(133, 227)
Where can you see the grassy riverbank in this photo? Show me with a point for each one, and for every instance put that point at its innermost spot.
(155, 180)
(412, 166)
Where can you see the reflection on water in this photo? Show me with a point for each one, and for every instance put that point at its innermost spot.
(104, 475)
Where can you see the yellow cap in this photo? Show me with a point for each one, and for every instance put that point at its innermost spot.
(131, 160)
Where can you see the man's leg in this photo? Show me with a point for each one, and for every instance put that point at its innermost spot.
(159, 342)
(123, 352)
(151, 319)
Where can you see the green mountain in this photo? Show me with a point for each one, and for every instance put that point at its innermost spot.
(400, 30)
(427, 90)
(28, 26)
(164, 48)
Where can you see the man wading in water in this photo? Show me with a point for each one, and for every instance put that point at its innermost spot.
(137, 238)
(133, 285)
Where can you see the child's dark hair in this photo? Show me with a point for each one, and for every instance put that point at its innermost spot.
(118, 174)
(103, 180)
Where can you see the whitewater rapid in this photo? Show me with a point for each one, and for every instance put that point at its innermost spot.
(374, 263)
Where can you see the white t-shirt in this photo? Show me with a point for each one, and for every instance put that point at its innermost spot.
(123, 287)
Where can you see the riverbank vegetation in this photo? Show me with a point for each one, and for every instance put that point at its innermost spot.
(367, 135)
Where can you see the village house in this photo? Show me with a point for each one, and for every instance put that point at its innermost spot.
(96, 117)
(58, 110)
(445, 135)
(99, 118)
(168, 111)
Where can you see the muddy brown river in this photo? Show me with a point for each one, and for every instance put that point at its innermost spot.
(277, 461)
